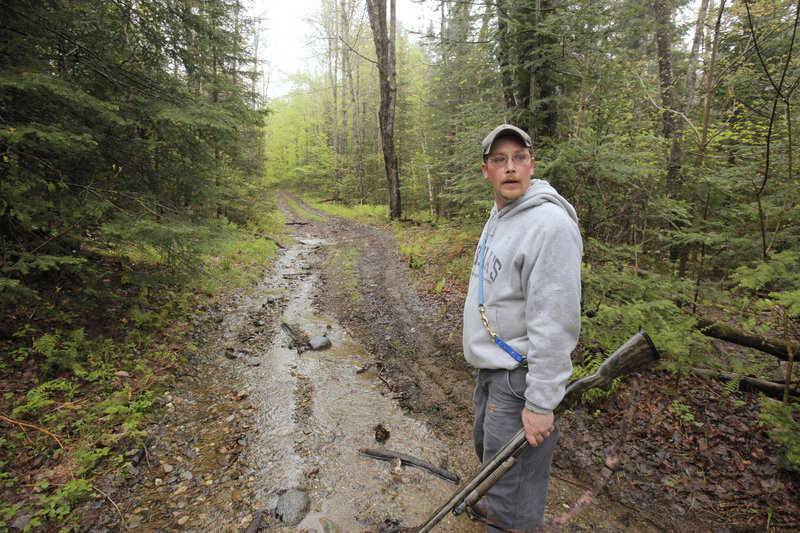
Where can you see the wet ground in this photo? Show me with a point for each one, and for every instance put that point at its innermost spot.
(258, 418)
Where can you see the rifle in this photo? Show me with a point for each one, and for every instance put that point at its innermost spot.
(637, 351)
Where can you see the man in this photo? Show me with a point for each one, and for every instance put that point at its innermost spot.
(525, 281)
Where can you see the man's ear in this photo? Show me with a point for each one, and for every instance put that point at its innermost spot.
(484, 171)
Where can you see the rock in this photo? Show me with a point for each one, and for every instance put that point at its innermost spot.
(320, 342)
(328, 526)
(230, 353)
(21, 521)
(292, 506)
(167, 468)
(396, 465)
(186, 475)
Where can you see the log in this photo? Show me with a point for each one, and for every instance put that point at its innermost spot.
(743, 338)
(276, 241)
(772, 389)
(300, 340)
(261, 235)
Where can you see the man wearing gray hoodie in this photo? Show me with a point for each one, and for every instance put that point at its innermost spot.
(521, 323)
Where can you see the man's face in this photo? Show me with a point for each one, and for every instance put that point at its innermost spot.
(510, 179)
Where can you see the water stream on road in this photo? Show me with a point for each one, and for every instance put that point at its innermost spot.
(254, 419)
(318, 409)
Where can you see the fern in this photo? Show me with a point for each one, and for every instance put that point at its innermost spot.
(783, 422)
(732, 385)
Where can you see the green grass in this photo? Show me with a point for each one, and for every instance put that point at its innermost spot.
(302, 211)
(361, 212)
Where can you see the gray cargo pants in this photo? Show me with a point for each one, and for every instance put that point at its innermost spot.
(517, 501)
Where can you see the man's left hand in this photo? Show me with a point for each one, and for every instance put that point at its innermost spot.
(537, 426)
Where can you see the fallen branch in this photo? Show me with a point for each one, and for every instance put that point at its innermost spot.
(277, 243)
(300, 340)
(391, 387)
(37, 428)
(107, 497)
(747, 383)
(727, 333)
(408, 460)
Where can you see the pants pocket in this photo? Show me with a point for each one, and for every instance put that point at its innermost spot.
(515, 380)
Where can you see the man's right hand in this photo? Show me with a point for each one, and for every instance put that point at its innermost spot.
(537, 426)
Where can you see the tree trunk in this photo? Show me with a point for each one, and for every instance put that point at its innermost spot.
(676, 151)
(503, 54)
(383, 34)
(666, 82)
(746, 383)
(356, 127)
(664, 46)
(333, 74)
(726, 333)
(709, 84)
(431, 203)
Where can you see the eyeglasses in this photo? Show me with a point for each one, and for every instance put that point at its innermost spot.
(500, 161)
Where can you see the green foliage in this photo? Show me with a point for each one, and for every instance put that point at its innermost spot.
(778, 277)
(56, 506)
(440, 285)
(176, 243)
(783, 422)
(38, 398)
(617, 302)
(130, 135)
(683, 413)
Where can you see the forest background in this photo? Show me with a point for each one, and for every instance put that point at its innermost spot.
(139, 162)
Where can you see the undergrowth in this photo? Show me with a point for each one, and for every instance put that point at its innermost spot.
(85, 364)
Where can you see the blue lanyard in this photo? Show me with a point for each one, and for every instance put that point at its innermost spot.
(482, 309)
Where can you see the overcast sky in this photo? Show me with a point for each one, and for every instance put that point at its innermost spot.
(285, 34)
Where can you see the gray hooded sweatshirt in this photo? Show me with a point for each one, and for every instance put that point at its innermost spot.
(532, 292)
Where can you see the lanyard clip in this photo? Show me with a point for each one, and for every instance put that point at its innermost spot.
(482, 309)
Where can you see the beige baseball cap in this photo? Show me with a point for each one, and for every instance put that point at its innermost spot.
(504, 130)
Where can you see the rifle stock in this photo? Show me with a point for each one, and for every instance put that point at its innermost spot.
(636, 352)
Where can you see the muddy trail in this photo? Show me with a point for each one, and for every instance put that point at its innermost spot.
(263, 432)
